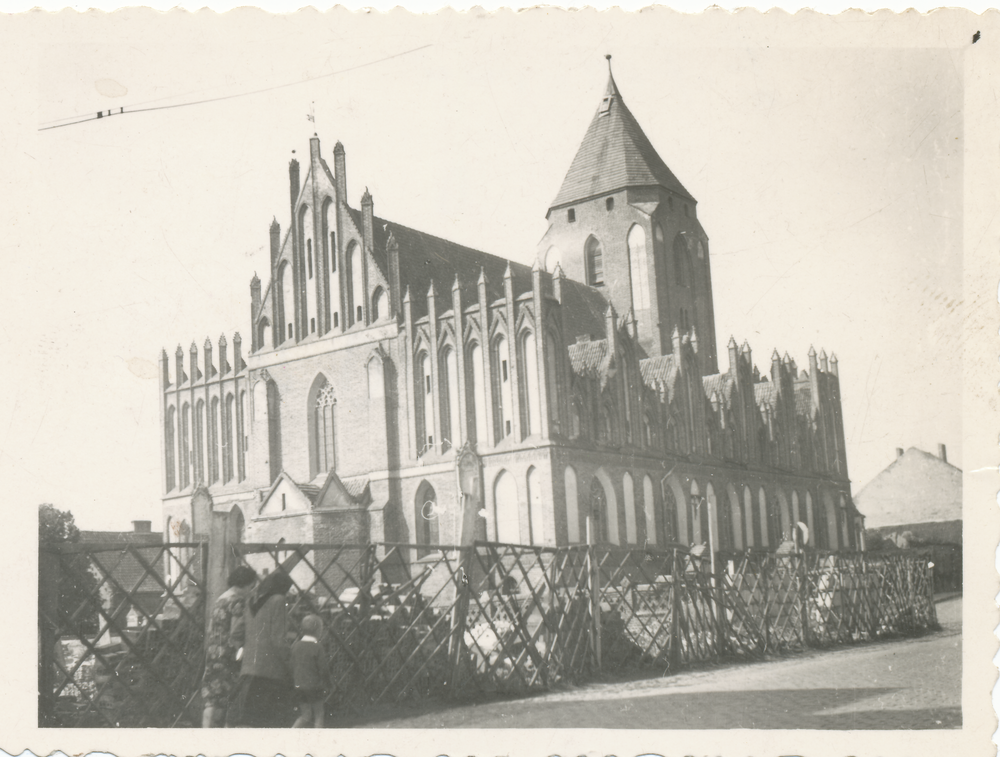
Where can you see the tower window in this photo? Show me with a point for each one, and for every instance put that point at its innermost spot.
(359, 314)
(312, 325)
(571, 215)
(284, 503)
(336, 320)
(289, 331)
(595, 262)
(610, 203)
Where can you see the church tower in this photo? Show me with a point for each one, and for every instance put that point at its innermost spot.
(622, 222)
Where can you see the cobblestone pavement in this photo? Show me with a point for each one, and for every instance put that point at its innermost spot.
(905, 684)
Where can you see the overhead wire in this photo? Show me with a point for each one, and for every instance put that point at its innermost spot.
(125, 110)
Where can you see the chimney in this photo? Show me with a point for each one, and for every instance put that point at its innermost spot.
(142, 526)
(942, 453)
(899, 452)
(293, 185)
(368, 220)
(340, 172)
(275, 243)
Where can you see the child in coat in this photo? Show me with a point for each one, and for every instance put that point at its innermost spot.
(310, 674)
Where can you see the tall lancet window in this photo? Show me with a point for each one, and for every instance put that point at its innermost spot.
(450, 426)
(287, 301)
(529, 363)
(355, 263)
(477, 390)
(505, 397)
(325, 449)
(595, 262)
(638, 267)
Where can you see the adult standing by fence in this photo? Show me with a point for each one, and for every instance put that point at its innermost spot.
(226, 634)
(264, 696)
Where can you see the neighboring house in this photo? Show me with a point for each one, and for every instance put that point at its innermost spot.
(917, 502)
(585, 386)
(121, 574)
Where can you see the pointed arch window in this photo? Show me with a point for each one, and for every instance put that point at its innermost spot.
(426, 518)
(477, 390)
(380, 304)
(682, 262)
(505, 397)
(507, 509)
(424, 404)
(185, 446)
(325, 440)
(354, 265)
(287, 301)
(532, 416)
(572, 506)
(595, 262)
(228, 410)
(213, 442)
(638, 267)
(450, 425)
(199, 442)
(263, 328)
(649, 509)
(552, 379)
(170, 444)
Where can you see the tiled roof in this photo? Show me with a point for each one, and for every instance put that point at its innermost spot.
(311, 491)
(356, 486)
(591, 359)
(424, 257)
(615, 153)
(764, 393)
(720, 383)
(661, 370)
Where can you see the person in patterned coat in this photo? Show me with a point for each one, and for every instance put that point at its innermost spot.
(225, 639)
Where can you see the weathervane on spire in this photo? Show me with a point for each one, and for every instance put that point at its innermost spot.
(312, 112)
(608, 59)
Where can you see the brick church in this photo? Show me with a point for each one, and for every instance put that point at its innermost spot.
(400, 387)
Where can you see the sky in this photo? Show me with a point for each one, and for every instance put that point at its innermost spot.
(829, 181)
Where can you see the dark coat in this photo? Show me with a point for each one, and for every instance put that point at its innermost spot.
(267, 651)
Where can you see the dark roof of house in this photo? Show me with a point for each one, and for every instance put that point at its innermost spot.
(355, 486)
(124, 568)
(614, 154)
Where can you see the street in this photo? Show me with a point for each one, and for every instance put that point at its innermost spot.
(899, 684)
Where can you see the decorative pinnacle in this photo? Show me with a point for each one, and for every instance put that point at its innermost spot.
(557, 272)
(366, 198)
(208, 344)
(222, 340)
(775, 355)
(536, 266)
(677, 333)
(274, 224)
(482, 276)
(746, 346)
(833, 357)
(194, 347)
(812, 351)
(430, 290)
(787, 359)
(507, 273)
(180, 351)
(455, 287)
(732, 342)
(406, 295)
(339, 147)
(822, 355)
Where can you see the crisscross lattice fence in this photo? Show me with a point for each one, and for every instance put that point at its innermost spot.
(407, 623)
(121, 633)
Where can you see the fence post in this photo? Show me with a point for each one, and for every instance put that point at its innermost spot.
(766, 580)
(595, 600)
(675, 612)
(720, 609)
(48, 617)
(460, 614)
(804, 598)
